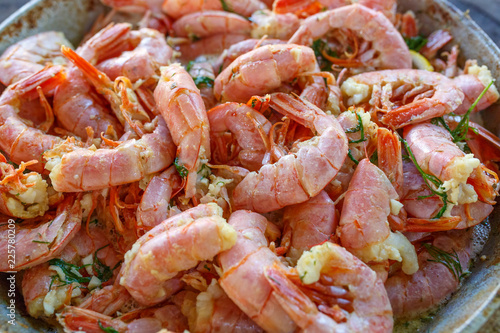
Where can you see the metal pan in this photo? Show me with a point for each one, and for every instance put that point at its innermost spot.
(477, 299)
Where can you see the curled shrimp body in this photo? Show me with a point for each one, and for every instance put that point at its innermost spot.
(411, 295)
(308, 224)
(181, 105)
(179, 8)
(154, 206)
(211, 22)
(331, 290)
(390, 48)
(212, 45)
(243, 78)
(244, 265)
(462, 174)
(296, 177)
(30, 55)
(176, 244)
(20, 141)
(37, 242)
(244, 124)
(363, 226)
(433, 94)
(22, 195)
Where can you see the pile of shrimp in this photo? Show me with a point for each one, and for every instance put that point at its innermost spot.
(243, 166)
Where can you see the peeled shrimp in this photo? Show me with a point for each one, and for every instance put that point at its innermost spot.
(155, 202)
(37, 242)
(243, 265)
(433, 282)
(363, 227)
(20, 141)
(30, 55)
(243, 78)
(301, 175)
(332, 291)
(181, 105)
(433, 94)
(22, 195)
(208, 23)
(372, 26)
(179, 8)
(247, 127)
(308, 224)
(176, 244)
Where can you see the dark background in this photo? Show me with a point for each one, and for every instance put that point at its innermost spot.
(485, 12)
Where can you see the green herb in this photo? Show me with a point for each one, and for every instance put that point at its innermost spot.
(104, 272)
(352, 157)
(225, 6)
(204, 171)
(203, 81)
(359, 128)
(106, 329)
(450, 260)
(194, 38)
(69, 271)
(189, 65)
(181, 169)
(415, 43)
(301, 277)
(374, 158)
(460, 132)
(173, 85)
(440, 121)
(16, 166)
(94, 221)
(429, 178)
(319, 46)
(40, 242)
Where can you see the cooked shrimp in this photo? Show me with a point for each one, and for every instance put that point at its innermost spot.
(31, 55)
(37, 242)
(433, 282)
(230, 122)
(296, 177)
(20, 141)
(46, 289)
(22, 195)
(203, 76)
(178, 8)
(155, 202)
(134, 6)
(308, 224)
(243, 265)
(389, 49)
(462, 174)
(215, 312)
(208, 23)
(176, 244)
(272, 25)
(472, 82)
(363, 227)
(181, 105)
(150, 52)
(212, 45)
(332, 291)
(407, 96)
(243, 78)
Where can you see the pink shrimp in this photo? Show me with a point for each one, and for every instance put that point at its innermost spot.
(215, 312)
(22, 195)
(181, 105)
(296, 177)
(211, 22)
(179, 8)
(244, 265)
(215, 45)
(37, 242)
(243, 78)
(31, 55)
(307, 224)
(203, 76)
(463, 176)
(154, 206)
(363, 227)
(43, 279)
(472, 82)
(433, 282)
(389, 50)
(332, 291)
(20, 141)
(408, 96)
(174, 245)
(247, 127)
(134, 6)
(272, 25)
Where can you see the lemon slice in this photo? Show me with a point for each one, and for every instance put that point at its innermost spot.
(420, 62)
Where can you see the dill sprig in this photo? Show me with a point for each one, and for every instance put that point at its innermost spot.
(352, 157)
(70, 271)
(108, 329)
(429, 178)
(203, 81)
(415, 43)
(181, 169)
(358, 128)
(450, 260)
